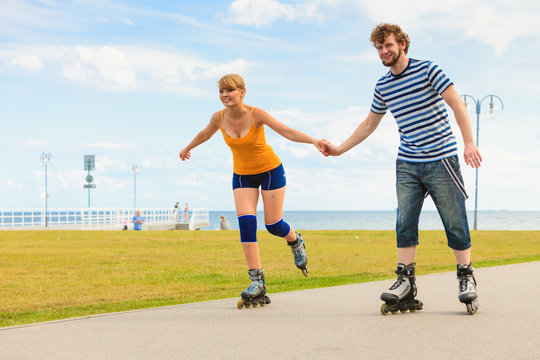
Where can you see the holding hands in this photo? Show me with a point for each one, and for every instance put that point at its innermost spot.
(328, 149)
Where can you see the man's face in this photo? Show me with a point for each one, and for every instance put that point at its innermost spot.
(390, 51)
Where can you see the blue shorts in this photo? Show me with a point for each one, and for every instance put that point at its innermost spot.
(268, 180)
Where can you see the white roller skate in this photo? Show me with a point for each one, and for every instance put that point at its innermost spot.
(467, 288)
(400, 296)
(255, 294)
(298, 249)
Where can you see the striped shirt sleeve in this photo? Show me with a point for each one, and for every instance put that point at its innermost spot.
(378, 106)
(438, 78)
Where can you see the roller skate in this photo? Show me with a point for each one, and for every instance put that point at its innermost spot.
(255, 294)
(298, 249)
(400, 296)
(467, 288)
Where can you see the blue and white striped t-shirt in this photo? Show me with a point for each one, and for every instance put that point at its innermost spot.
(414, 100)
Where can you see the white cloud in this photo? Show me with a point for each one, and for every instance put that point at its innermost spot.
(369, 56)
(264, 12)
(160, 162)
(191, 180)
(14, 185)
(67, 178)
(28, 62)
(36, 142)
(124, 68)
(107, 66)
(494, 22)
(113, 146)
(104, 163)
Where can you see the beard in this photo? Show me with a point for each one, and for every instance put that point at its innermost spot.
(393, 60)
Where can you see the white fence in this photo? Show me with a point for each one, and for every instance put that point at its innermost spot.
(200, 218)
(97, 219)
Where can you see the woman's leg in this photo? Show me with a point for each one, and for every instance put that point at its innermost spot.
(273, 209)
(245, 201)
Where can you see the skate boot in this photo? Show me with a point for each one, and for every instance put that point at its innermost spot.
(298, 249)
(401, 295)
(255, 294)
(467, 288)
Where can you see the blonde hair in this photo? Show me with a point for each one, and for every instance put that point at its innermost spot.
(381, 32)
(231, 81)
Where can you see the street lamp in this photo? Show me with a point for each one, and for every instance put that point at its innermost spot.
(46, 160)
(478, 106)
(135, 169)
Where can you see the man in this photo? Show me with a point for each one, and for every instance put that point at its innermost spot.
(427, 163)
(138, 221)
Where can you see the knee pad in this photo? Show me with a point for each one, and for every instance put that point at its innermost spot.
(280, 228)
(248, 228)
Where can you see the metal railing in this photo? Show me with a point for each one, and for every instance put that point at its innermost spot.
(96, 219)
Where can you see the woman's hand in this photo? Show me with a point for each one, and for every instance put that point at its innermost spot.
(185, 154)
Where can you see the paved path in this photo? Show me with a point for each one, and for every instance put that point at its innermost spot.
(341, 322)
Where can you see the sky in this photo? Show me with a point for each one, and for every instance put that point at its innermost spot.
(132, 82)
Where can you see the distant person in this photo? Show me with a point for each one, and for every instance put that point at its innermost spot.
(415, 92)
(138, 221)
(255, 165)
(224, 224)
(186, 210)
(125, 224)
(176, 210)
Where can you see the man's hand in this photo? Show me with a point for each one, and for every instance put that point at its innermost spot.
(472, 156)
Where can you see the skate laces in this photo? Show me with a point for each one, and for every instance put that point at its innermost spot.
(255, 285)
(464, 282)
(399, 281)
(297, 250)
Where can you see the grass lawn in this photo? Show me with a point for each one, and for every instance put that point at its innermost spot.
(47, 275)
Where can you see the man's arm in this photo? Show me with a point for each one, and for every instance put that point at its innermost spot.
(471, 154)
(362, 131)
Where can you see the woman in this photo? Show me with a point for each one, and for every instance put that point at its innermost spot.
(255, 165)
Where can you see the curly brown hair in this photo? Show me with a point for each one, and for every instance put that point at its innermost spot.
(381, 31)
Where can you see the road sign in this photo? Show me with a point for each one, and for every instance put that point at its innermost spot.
(89, 162)
(89, 186)
(89, 179)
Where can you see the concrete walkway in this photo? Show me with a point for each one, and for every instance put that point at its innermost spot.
(341, 322)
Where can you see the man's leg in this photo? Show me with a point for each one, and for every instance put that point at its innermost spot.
(410, 195)
(450, 203)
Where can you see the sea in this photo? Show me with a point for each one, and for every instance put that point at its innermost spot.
(386, 220)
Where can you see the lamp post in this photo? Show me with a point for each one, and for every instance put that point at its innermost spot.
(478, 108)
(46, 160)
(135, 169)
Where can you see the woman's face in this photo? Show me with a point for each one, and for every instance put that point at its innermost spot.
(231, 97)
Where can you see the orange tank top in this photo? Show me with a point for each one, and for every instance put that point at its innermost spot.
(251, 153)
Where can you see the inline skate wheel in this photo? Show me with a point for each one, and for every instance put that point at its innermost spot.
(255, 304)
(394, 312)
(240, 304)
(403, 311)
(384, 309)
(412, 310)
(472, 307)
(305, 272)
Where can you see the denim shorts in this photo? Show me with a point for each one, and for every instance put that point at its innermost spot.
(414, 181)
(268, 180)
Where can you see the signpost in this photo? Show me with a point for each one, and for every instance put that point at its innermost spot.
(89, 164)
